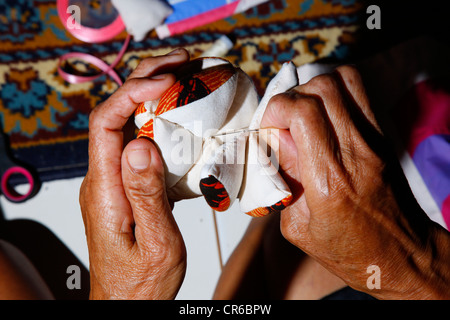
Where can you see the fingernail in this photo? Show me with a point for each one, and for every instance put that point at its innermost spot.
(159, 77)
(139, 159)
(174, 52)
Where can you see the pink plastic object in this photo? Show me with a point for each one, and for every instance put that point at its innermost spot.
(106, 69)
(91, 35)
(9, 192)
(87, 34)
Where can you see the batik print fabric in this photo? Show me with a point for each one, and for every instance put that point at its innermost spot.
(213, 107)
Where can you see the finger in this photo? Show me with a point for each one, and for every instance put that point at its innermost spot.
(115, 112)
(106, 144)
(144, 184)
(282, 144)
(288, 159)
(355, 133)
(354, 84)
(160, 64)
(329, 90)
(142, 85)
(312, 133)
(367, 134)
(106, 213)
(107, 121)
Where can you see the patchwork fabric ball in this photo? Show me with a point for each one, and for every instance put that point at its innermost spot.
(206, 127)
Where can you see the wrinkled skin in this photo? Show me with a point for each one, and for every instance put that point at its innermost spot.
(353, 207)
(135, 247)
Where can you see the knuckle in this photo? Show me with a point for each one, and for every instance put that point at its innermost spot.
(322, 83)
(309, 103)
(300, 108)
(295, 102)
(375, 163)
(82, 194)
(278, 100)
(348, 72)
(152, 201)
(84, 188)
(287, 233)
(150, 65)
(94, 117)
(146, 63)
(165, 251)
(285, 99)
(308, 109)
(289, 228)
(158, 252)
(146, 188)
(85, 195)
(130, 84)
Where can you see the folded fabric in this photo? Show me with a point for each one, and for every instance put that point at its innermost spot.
(142, 16)
(205, 126)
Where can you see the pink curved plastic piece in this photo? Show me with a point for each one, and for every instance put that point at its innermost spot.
(91, 35)
(106, 69)
(10, 193)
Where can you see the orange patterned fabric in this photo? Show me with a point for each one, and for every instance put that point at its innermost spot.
(187, 89)
(194, 85)
(147, 130)
(263, 211)
(215, 194)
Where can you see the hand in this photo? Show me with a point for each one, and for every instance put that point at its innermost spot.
(353, 207)
(135, 248)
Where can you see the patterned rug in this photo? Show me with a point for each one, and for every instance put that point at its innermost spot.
(46, 118)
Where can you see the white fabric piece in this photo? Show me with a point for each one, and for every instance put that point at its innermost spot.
(188, 186)
(179, 149)
(142, 118)
(227, 165)
(142, 16)
(310, 70)
(285, 79)
(262, 184)
(238, 160)
(244, 105)
(240, 113)
(206, 118)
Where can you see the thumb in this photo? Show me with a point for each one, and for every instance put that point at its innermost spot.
(144, 184)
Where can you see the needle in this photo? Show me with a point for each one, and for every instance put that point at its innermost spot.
(236, 132)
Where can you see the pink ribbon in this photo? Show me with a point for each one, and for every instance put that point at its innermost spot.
(104, 67)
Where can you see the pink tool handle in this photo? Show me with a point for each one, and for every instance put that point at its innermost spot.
(9, 192)
(106, 69)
